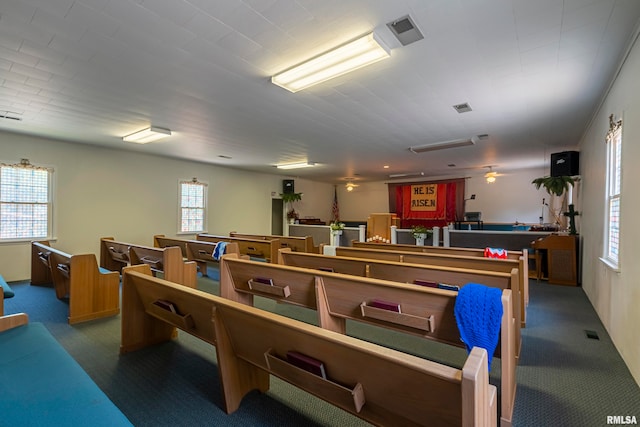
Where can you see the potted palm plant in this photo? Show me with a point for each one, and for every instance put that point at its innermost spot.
(558, 186)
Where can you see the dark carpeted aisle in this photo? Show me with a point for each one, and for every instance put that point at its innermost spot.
(564, 378)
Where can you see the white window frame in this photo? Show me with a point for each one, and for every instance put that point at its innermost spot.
(181, 209)
(8, 200)
(611, 255)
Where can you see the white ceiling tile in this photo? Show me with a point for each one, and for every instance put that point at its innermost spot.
(90, 70)
(58, 25)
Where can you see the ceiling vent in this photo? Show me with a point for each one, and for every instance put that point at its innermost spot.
(405, 30)
(462, 108)
(9, 115)
(441, 145)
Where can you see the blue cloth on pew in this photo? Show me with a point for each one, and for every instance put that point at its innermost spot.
(478, 312)
(103, 270)
(6, 289)
(41, 384)
(219, 250)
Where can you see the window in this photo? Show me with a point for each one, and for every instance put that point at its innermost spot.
(193, 206)
(25, 201)
(614, 175)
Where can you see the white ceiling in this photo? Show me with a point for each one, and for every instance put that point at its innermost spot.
(533, 71)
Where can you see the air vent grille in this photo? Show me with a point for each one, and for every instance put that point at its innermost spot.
(405, 30)
(462, 108)
(402, 26)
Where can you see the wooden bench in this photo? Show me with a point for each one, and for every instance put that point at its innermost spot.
(447, 259)
(168, 261)
(379, 385)
(255, 248)
(5, 292)
(425, 312)
(456, 251)
(413, 273)
(197, 251)
(93, 292)
(296, 243)
(43, 385)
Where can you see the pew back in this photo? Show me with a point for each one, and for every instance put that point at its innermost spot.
(200, 252)
(295, 243)
(450, 260)
(168, 260)
(425, 312)
(251, 344)
(92, 293)
(412, 273)
(257, 248)
(431, 249)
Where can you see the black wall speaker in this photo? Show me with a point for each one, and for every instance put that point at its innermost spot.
(287, 186)
(566, 163)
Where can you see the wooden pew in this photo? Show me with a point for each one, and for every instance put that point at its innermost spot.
(251, 344)
(197, 251)
(93, 293)
(257, 248)
(457, 251)
(448, 260)
(410, 273)
(296, 243)
(426, 312)
(168, 261)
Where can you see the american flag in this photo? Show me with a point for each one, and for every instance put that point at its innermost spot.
(335, 210)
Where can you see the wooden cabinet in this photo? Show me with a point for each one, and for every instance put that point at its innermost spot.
(557, 259)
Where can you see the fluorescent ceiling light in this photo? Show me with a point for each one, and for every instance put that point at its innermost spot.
(441, 145)
(149, 134)
(336, 62)
(296, 165)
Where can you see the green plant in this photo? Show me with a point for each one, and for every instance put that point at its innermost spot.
(336, 226)
(289, 199)
(419, 231)
(554, 185)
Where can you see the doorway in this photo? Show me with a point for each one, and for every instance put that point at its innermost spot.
(277, 219)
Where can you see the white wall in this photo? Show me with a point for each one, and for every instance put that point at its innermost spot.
(512, 197)
(614, 295)
(130, 196)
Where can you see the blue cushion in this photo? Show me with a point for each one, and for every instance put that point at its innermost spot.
(41, 384)
(6, 289)
(103, 270)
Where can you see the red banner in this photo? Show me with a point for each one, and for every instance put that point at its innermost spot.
(430, 204)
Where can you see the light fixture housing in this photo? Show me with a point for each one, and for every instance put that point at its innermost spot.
(491, 175)
(338, 61)
(147, 135)
(298, 165)
(442, 145)
(350, 186)
(406, 175)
